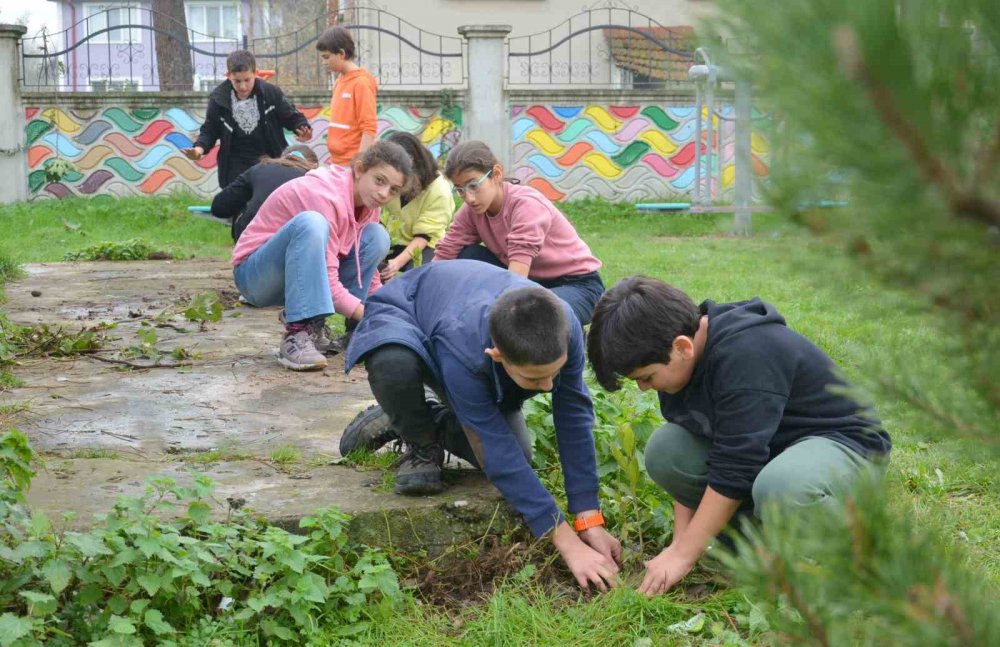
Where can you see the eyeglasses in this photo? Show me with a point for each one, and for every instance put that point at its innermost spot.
(472, 187)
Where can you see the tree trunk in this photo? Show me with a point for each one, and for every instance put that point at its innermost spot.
(173, 56)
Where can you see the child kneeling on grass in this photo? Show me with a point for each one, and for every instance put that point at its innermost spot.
(520, 228)
(314, 247)
(483, 340)
(756, 413)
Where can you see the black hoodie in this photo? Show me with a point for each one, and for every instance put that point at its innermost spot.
(759, 387)
(276, 111)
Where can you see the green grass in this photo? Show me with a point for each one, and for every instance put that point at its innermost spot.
(93, 453)
(285, 455)
(878, 334)
(48, 230)
(216, 456)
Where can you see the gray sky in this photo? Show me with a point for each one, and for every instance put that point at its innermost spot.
(37, 13)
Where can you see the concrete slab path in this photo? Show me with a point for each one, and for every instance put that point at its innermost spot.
(105, 429)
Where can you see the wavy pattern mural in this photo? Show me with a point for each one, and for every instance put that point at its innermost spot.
(120, 151)
(621, 152)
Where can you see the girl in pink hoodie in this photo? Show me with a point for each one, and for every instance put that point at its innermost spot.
(314, 247)
(519, 228)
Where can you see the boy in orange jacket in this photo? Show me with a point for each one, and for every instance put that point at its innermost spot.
(353, 107)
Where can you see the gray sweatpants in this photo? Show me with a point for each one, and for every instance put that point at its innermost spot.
(813, 471)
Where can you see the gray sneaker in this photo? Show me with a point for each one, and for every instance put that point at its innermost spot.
(419, 470)
(318, 331)
(320, 334)
(369, 430)
(298, 352)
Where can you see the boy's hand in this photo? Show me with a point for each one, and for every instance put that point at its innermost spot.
(664, 571)
(587, 565)
(194, 154)
(304, 134)
(603, 542)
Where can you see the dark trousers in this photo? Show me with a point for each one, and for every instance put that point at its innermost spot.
(397, 377)
(580, 291)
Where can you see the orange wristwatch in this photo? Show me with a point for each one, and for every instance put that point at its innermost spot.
(590, 521)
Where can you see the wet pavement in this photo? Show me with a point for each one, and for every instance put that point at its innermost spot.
(105, 428)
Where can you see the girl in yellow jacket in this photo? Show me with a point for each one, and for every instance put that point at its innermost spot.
(421, 215)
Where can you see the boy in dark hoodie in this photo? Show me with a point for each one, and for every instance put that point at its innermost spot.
(757, 414)
(484, 340)
(248, 115)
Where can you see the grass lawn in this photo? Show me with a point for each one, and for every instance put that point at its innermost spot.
(878, 335)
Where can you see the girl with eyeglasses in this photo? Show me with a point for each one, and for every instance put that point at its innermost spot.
(516, 227)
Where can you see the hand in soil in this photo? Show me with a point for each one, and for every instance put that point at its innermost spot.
(587, 565)
(603, 542)
(664, 571)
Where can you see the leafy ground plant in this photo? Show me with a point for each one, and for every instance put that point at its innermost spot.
(135, 249)
(137, 578)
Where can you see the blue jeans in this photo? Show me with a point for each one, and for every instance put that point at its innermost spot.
(290, 268)
(580, 291)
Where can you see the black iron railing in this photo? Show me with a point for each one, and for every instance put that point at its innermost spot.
(610, 46)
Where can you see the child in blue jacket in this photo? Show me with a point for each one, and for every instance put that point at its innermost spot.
(484, 340)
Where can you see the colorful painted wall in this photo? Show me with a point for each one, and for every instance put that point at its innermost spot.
(629, 152)
(622, 152)
(121, 151)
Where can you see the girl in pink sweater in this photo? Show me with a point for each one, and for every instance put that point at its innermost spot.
(520, 228)
(314, 247)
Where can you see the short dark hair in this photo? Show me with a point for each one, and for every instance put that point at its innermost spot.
(635, 324)
(424, 166)
(529, 326)
(469, 154)
(336, 39)
(386, 152)
(241, 60)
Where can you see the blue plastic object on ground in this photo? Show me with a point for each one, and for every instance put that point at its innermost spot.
(662, 206)
(201, 208)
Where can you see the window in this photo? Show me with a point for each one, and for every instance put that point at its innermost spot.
(115, 85)
(109, 16)
(213, 20)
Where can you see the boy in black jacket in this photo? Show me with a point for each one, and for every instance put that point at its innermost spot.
(756, 412)
(248, 115)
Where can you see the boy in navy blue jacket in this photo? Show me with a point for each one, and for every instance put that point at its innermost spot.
(484, 340)
(756, 413)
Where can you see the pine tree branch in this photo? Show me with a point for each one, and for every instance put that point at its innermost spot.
(934, 171)
(946, 418)
(946, 605)
(780, 579)
(987, 161)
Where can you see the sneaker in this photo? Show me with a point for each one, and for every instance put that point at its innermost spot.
(298, 352)
(318, 331)
(369, 430)
(419, 470)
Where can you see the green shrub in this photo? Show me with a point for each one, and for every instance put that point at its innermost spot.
(638, 511)
(135, 249)
(137, 578)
